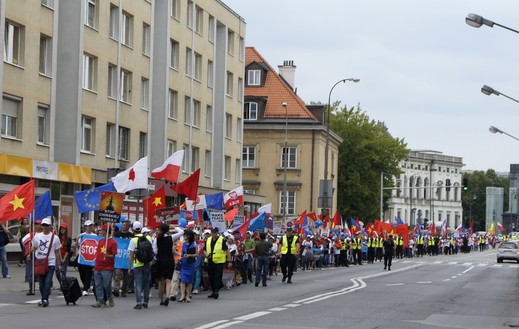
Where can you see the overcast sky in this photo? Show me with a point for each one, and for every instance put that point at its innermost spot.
(421, 66)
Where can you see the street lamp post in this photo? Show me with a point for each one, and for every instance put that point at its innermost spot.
(495, 130)
(477, 21)
(327, 205)
(285, 164)
(487, 90)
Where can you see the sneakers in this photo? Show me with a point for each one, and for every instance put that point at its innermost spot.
(195, 291)
(7, 276)
(99, 304)
(85, 293)
(111, 302)
(44, 303)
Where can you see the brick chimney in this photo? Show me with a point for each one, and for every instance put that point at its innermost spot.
(288, 72)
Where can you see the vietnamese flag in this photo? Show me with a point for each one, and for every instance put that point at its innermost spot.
(229, 216)
(17, 203)
(170, 169)
(189, 187)
(403, 231)
(336, 219)
(301, 219)
(155, 201)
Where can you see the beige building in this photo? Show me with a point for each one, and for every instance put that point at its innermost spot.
(91, 86)
(274, 112)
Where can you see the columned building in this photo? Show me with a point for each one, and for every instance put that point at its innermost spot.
(428, 190)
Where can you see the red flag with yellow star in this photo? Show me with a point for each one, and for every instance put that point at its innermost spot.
(17, 203)
(155, 201)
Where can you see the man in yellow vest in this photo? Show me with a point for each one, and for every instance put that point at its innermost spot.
(420, 245)
(356, 245)
(289, 251)
(216, 255)
(399, 244)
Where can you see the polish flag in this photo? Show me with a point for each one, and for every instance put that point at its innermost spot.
(170, 170)
(132, 178)
(500, 226)
(233, 198)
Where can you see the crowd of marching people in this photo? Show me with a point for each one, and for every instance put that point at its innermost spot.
(180, 262)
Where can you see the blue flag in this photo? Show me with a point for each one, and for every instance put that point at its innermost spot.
(90, 200)
(257, 223)
(214, 201)
(43, 206)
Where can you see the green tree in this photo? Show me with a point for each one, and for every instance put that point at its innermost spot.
(474, 198)
(367, 151)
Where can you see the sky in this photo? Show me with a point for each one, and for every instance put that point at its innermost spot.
(421, 67)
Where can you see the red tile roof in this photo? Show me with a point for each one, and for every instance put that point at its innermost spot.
(277, 91)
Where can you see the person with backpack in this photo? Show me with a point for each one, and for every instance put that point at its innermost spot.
(141, 255)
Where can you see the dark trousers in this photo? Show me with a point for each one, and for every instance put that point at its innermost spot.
(215, 273)
(86, 274)
(399, 251)
(379, 253)
(287, 264)
(388, 259)
(420, 250)
(371, 255)
(357, 256)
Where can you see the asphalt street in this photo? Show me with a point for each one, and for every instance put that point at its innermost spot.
(457, 291)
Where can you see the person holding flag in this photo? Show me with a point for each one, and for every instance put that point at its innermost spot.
(104, 268)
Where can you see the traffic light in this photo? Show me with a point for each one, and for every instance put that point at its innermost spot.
(465, 184)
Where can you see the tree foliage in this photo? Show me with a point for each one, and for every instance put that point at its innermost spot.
(474, 198)
(367, 151)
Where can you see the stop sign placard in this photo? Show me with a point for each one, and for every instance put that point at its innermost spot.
(88, 250)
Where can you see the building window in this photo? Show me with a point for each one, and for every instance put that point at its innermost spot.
(237, 171)
(127, 29)
(208, 164)
(112, 81)
(45, 54)
(110, 140)
(253, 77)
(209, 119)
(212, 29)
(210, 74)
(227, 173)
(87, 134)
(250, 111)
(195, 158)
(190, 13)
(187, 110)
(228, 125)
(189, 62)
(126, 86)
(198, 66)
(290, 202)
(10, 115)
(173, 58)
(89, 72)
(43, 124)
(114, 22)
(124, 143)
(173, 104)
(175, 8)
(146, 39)
(172, 147)
(230, 42)
(229, 90)
(91, 13)
(143, 144)
(248, 157)
(240, 90)
(145, 94)
(239, 129)
(242, 49)
(288, 157)
(13, 43)
(185, 160)
(199, 20)
(196, 113)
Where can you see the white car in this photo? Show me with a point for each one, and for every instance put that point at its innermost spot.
(508, 250)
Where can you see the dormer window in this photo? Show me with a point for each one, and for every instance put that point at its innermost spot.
(254, 77)
(250, 111)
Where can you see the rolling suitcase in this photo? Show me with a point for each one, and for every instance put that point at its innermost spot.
(70, 288)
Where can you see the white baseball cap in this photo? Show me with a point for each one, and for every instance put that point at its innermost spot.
(88, 223)
(46, 221)
(145, 230)
(137, 226)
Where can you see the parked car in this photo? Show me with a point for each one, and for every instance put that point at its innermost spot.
(508, 250)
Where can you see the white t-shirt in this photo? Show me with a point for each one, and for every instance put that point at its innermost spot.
(41, 243)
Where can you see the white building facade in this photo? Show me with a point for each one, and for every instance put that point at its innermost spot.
(428, 189)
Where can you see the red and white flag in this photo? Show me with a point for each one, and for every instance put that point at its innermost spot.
(500, 226)
(132, 178)
(197, 204)
(170, 170)
(233, 198)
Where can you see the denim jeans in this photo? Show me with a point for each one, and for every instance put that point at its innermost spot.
(197, 278)
(103, 285)
(3, 260)
(262, 269)
(141, 276)
(46, 283)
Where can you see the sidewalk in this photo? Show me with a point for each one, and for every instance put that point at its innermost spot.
(17, 281)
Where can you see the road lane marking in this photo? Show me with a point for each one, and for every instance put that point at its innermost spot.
(467, 264)
(212, 324)
(424, 282)
(292, 305)
(277, 309)
(452, 263)
(394, 284)
(252, 316)
(453, 277)
(446, 280)
(470, 268)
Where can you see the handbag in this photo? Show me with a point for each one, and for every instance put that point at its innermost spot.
(41, 265)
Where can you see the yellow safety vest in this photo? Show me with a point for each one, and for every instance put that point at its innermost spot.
(284, 246)
(420, 240)
(219, 255)
(431, 242)
(136, 262)
(380, 243)
(357, 243)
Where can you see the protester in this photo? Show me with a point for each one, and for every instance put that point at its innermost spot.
(289, 250)
(389, 250)
(46, 245)
(273, 260)
(163, 248)
(103, 270)
(248, 257)
(141, 270)
(187, 268)
(122, 278)
(23, 230)
(66, 249)
(3, 252)
(86, 272)
(262, 249)
(29, 256)
(216, 254)
(197, 280)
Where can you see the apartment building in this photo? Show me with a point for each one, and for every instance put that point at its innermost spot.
(284, 141)
(91, 86)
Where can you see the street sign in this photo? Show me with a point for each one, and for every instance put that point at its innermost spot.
(88, 249)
